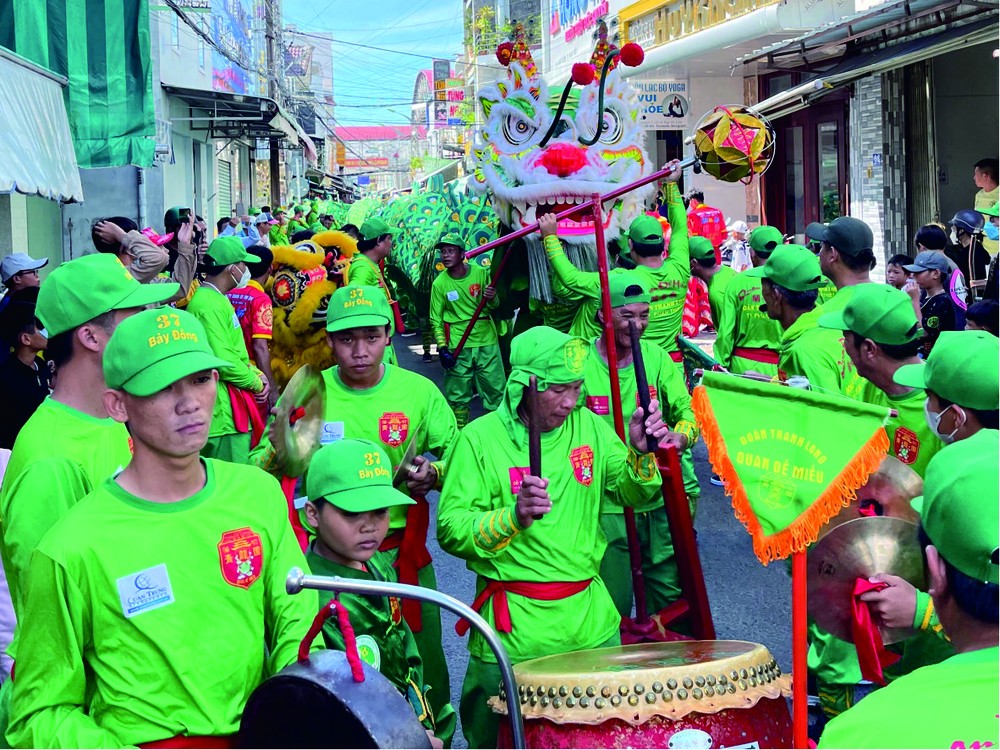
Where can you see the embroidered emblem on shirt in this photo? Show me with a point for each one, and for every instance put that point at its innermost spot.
(906, 445)
(598, 405)
(474, 290)
(393, 427)
(582, 459)
(241, 557)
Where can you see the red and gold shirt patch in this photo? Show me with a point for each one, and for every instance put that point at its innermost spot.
(393, 427)
(582, 459)
(395, 611)
(517, 475)
(906, 445)
(652, 396)
(599, 405)
(241, 557)
(474, 290)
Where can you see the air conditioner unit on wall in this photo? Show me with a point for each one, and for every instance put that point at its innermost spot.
(164, 151)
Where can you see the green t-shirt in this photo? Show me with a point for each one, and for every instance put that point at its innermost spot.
(363, 271)
(717, 286)
(384, 639)
(951, 704)
(294, 225)
(60, 456)
(910, 437)
(453, 302)
(826, 293)
(222, 327)
(402, 407)
(668, 284)
(666, 384)
(741, 323)
(277, 235)
(149, 620)
(819, 355)
(584, 461)
(986, 199)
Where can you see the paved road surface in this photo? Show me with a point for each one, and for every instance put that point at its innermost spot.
(749, 602)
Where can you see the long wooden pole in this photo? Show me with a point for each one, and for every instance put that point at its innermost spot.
(800, 647)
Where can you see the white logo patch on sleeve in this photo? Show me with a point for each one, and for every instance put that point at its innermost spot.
(148, 589)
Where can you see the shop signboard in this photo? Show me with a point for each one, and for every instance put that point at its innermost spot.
(374, 161)
(230, 30)
(664, 104)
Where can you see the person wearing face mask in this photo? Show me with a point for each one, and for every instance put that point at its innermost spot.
(992, 231)
(963, 411)
(235, 419)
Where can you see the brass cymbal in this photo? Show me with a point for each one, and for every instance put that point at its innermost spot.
(299, 432)
(887, 492)
(859, 548)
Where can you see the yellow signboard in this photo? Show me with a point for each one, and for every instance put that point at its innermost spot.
(652, 23)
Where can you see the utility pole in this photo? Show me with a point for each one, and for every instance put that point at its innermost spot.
(272, 17)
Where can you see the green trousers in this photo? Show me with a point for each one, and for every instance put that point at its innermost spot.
(482, 681)
(483, 364)
(431, 651)
(659, 567)
(234, 448)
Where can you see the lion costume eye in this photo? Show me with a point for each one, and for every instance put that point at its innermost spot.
(517, 130)
(612, 126)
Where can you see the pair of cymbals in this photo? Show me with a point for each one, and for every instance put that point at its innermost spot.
(887, 493)
(298, 420)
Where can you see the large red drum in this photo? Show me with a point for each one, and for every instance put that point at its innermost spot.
(684, 694)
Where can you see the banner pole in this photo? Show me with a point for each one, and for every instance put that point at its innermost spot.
(800, 648)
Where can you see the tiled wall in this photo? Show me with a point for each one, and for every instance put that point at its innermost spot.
(866, 144)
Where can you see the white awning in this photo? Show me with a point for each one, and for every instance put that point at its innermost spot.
(879, 61)
(36, 149)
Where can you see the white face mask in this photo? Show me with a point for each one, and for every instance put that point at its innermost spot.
(954, 237)
(934, 422)
(243, 280)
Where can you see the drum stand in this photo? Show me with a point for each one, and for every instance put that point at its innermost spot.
(298, 581)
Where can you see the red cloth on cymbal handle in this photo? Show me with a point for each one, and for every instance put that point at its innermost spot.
(346, 629)
(872, 654)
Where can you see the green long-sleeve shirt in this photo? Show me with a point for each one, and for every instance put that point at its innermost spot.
(147, 620)
(453, 302)
(222, 327)
(666, 384)
(402, 407)
(717, 286)
(59, 457)
(584, 461)
(818, 354)
(667, 283)
(741, 323)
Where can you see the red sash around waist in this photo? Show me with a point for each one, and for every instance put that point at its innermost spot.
(676, 356)
(411, 541)
(757, 354)
(498, 590)
(185, 741)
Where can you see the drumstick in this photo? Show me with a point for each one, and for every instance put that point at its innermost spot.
(640, 381)
(534, 432)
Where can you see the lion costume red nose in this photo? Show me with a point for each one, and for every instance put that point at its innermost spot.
(563, 159)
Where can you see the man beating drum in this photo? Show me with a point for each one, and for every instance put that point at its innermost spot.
(535, 541)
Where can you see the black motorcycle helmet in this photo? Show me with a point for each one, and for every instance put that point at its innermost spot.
(968, 221)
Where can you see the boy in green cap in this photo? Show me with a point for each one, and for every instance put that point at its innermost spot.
(369, 399)
(790, 280)
(630, 303)
(881, 335)
(374, 248)
(746, 338)
(715, 275)
(70, 444)
(538, 577)
(953, 703)
(241, 385)
(667, 278)
(183, 559)
(278, 234)
(350, 492)
(454, 297)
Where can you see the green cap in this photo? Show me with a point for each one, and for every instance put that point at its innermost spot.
(353, 475)
(300, 209)
(154, 349)
(791, 266)
(84, 288)
(451, 239)
(646, 230)
(227, 250)
(375, 228)
(959, 510)
(172, 218)
(357, 307)
(878, 312)
(963, 368)
(700, 247)
(764, 239)
(627, 287)
(554, 357)
(848, 235)
(253, 211)
(993, 210)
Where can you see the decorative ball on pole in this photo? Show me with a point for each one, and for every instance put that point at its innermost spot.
(734, 143)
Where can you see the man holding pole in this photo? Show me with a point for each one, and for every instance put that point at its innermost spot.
(534, 541)
(630, 304)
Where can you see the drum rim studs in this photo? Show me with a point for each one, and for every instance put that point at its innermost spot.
(599, 703)
(577, 691)
(633, 700)
(657, 687)
(616, 700)
(584, 702)
(697, 694)
(650, 698)
(591, 691)
(623, 690)
(688, 683)
(667, 696)
(570, 702)
(682, 694)
(639, 689)
(699, 681)
(672, 683)
(605, 693)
